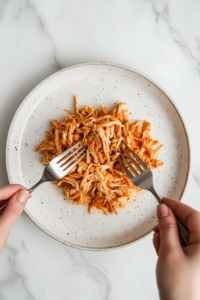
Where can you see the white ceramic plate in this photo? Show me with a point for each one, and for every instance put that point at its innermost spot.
(96, 83)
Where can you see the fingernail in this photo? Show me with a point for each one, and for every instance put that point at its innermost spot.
(23, 196)
(162, 211)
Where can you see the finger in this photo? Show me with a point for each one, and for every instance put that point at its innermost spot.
(155, 228)
(169, 237)
(7, 191)
(189, 216)
(12, 211)
(156, 241)
(2, 203)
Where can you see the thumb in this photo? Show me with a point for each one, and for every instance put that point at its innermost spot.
(168, 230)
(12, 211)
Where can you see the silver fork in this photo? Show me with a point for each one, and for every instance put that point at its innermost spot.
(144, 180)
(58, 167)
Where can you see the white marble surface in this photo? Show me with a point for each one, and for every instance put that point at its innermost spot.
(160, 38)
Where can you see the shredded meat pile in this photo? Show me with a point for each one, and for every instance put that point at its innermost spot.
(98, 180)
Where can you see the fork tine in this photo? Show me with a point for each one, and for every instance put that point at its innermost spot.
(128, 173)
(62, 161)
(133, 170)
(137, 157)
(68, 162)
(66, 171)
(133, 162)
(59, 157)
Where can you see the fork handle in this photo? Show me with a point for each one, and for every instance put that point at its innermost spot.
(183, 231)
(42, 180)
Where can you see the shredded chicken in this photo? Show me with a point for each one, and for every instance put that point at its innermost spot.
(98, 180)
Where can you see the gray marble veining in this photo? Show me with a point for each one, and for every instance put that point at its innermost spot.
(160, 39)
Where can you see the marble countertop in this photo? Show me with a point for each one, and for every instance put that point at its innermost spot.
(160, 38)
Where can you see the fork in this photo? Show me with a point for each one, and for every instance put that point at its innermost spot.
(144, 180)
(58, 167)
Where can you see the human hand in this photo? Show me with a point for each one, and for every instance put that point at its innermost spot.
(18, 197)
(178, 268)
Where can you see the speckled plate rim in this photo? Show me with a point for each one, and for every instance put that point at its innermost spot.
(78, 66)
